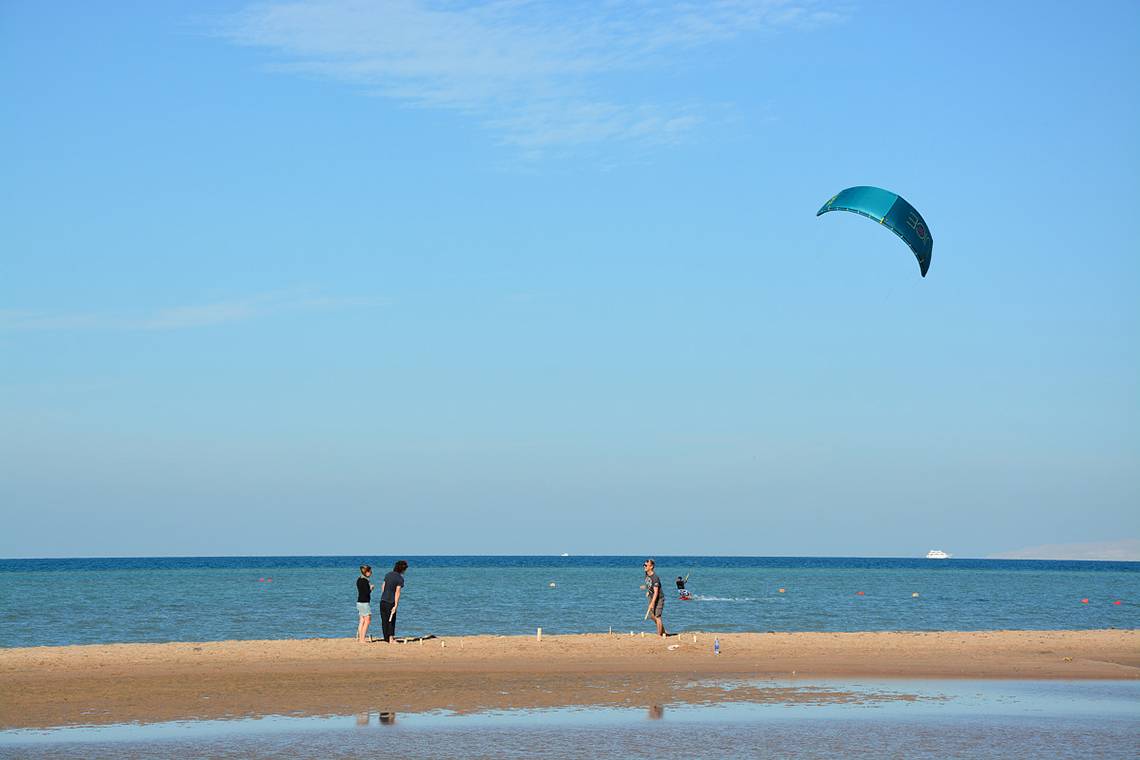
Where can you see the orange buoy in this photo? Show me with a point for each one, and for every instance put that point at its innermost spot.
(781, 591)
(858, 593)
(1117, 602)
(1084, 601)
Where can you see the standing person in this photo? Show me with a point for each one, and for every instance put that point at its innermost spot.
(364, 602)
(390, 598)
(656, 598)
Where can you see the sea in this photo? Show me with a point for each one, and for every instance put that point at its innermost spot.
(47, 602)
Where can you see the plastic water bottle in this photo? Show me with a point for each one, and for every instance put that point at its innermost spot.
(716, 645)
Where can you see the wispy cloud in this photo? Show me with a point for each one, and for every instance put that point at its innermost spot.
(176, 317)
(539, 74)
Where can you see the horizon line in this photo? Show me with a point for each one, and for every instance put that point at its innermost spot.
(556, 556)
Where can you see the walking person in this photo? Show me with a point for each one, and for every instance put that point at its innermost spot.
(390, 591)
(364, 602)
(656, 598)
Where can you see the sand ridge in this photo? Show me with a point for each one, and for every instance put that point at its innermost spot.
(48, 686)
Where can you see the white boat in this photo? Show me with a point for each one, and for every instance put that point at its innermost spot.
(565, 554)
(937, 554)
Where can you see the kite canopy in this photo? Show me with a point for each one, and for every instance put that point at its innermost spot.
(891, 211)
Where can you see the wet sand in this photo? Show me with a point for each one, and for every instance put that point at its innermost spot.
(114, 683)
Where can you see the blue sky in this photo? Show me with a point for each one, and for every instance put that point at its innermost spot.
(521, 277)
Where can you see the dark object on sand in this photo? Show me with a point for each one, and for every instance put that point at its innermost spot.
(413, 639)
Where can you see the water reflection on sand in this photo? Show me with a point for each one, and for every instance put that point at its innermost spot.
(934, 719)
(383, 718)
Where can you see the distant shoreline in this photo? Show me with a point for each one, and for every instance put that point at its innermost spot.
(113, 683)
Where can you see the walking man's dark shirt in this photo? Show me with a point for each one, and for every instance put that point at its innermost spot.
(653, 583)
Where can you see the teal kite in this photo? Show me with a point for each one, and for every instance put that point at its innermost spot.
(891, 211)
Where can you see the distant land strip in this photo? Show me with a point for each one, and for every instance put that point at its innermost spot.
(1126, 550)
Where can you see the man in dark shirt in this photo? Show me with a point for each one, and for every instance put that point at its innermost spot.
(656, 598)
(390, 598)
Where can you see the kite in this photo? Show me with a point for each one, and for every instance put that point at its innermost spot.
(891, 211)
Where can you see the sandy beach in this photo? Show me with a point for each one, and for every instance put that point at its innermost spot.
(51, 686)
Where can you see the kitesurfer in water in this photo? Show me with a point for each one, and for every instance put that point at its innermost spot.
(681, 590)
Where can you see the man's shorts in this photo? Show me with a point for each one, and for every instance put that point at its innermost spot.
(364, 608)
(658, 608)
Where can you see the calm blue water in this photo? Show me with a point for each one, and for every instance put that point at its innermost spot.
(77, 601)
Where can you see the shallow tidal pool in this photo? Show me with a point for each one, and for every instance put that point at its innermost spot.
(863, 718)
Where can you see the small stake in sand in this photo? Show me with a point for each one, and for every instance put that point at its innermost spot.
(538, 636)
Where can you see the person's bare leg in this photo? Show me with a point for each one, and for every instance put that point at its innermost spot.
(660, 626)
(362, 629)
